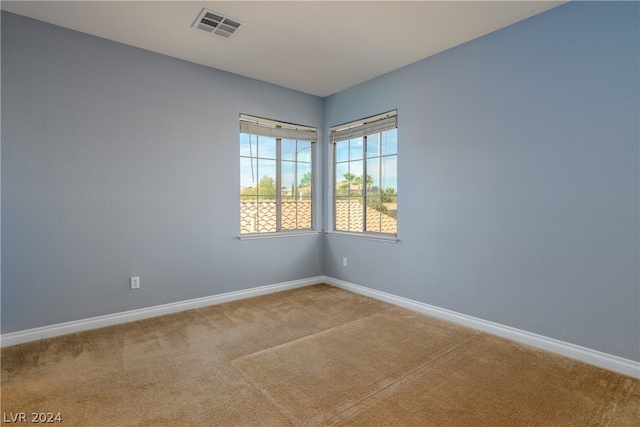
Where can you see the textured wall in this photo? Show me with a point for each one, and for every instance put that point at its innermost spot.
(119, 162)
(518, 178)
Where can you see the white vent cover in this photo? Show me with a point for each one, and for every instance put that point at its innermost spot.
(216, 23)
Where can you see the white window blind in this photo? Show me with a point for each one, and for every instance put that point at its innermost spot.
(379, 123)
(265, 127)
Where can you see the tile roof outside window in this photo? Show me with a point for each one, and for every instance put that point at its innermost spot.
(348, 217)
(261, 216)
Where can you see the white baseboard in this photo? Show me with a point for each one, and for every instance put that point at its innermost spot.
(593, 357)
(145, 313)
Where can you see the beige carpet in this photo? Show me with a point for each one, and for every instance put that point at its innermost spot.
(311, 356)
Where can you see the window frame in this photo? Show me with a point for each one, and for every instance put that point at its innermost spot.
(363, 128)
(278, 130)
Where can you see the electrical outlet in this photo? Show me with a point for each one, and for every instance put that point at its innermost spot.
(344, 262)
(135, 282)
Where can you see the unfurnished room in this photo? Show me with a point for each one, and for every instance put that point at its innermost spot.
(317, 213)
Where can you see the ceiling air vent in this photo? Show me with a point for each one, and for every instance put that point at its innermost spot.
(216, 23)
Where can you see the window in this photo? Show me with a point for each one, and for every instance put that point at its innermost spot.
(275, 176)
(365, 179)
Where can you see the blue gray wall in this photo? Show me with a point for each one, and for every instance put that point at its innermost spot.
(119, 162)
(518, 178)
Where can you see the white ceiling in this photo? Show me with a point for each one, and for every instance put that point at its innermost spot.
(316, 47)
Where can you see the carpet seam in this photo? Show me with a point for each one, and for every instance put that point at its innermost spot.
(282, 408)
(309, 336)
(272, 400)
(395, 381)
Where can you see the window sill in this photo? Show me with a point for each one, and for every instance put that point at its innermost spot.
(367, 236)
(257, 236)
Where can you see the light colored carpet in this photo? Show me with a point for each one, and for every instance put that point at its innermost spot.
(311, 356)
